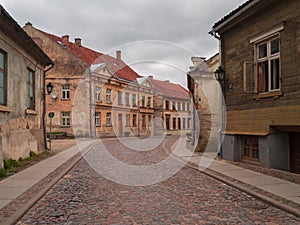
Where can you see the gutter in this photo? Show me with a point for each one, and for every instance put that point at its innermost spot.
(235, 15)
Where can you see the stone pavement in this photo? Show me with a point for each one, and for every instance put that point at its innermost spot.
(21, 190)
(278, 192)
(87, 196)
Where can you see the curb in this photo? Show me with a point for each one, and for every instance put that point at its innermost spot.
(241, 187)
(13, 219)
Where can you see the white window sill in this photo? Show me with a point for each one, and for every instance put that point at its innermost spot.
(4, 108)
(30, 112)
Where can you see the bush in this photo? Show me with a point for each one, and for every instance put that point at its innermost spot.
(32, 154)
(3, 173)
(9, 163)
(21, 159)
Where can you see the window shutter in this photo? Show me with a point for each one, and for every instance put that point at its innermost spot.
(250, 80)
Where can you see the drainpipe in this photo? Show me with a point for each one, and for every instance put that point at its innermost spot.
(220, 153)
(91, 112)
(44, 105)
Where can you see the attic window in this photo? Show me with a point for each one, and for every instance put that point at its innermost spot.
(61, 44)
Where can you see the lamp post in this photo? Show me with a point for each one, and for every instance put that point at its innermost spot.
(49, 88)
(220, 75)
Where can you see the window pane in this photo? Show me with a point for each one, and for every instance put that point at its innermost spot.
(275, 73)
(274, 46)
(1, 80)
(1, 95)
(1, 61)
(263, 77)
(262, 52)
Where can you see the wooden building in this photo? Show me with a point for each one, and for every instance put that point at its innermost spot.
(260, 53)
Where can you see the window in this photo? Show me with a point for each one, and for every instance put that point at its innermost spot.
(127, 120)
(268, 65)
(3, 78)
(143, 101)
(108, 119)
(174, 123)
(120, 102)
(183, 123)
(31, 90)
(178, 106)
(179, 123)
(97, 119)
(250, 149)
(98, 94)
(143, 120)
(188, 123)
(66, 92)
(65, 119)
(174, 105)
(149, 102)
(134, 99)
(167, 104)
(127, 99)
(183, 106)
(108, 95)
(168, 122)
(149, 120)
(188, 107)
(134, 120)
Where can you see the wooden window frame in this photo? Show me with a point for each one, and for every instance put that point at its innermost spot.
(249, 152)
(65, 119)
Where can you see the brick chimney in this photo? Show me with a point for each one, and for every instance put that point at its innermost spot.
(78, 41)
(65, 38)
(118, 55)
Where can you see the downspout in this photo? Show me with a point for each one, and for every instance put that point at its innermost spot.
(91, 112)
(220, 153)
(44, 105)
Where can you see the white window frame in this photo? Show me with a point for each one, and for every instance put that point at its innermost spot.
(127, 120)
(127, 97)
(66, 92)
(98, 94)
(108, 119)
(98, 119)
(65, 119)
(108, 95)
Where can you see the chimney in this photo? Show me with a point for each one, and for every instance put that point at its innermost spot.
(65, 38)
(28, 24)
(78, 41)
(118, 55)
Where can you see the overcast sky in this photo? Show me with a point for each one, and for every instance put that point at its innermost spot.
(156, 37)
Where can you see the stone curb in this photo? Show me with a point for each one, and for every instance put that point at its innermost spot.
(222, 178)
(13, 219)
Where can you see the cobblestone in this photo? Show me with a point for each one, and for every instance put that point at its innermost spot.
(189, 197)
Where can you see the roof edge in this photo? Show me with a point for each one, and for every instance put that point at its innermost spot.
(234, 14)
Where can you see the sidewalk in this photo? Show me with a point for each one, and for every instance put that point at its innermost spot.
(21, 190)
(281, 193)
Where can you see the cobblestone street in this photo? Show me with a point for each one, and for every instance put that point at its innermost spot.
(189, 197)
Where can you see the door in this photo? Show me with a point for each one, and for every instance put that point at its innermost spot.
(120, 125)
(295, 153)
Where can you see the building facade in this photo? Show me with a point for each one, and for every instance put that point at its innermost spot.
(172, 108)
(260, 55)
(22, 88)
(94, 94)
(204, 89)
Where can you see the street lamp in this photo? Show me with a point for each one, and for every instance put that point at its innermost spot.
(220, 77)
(49, 88)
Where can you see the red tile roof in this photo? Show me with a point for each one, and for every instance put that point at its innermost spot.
(121, 69)
(170, 89)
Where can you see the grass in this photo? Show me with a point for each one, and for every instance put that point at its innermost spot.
(12, 166)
